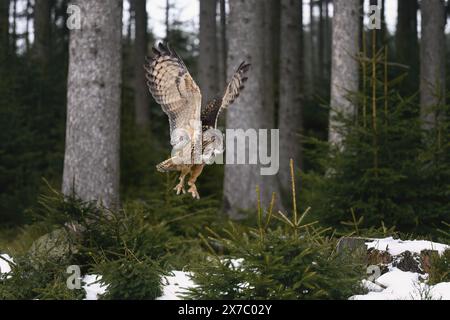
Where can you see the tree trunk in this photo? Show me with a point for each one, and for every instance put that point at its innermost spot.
(222, 46)
(291, 70)
(246, 42)
(167, 19)
(327, 42)
(312, 52)
(14, 28)
(448, 9)
(383, 21)
(269, 58)
(42, 31)
(91, 163)
(4, 29)
(432, 61)
(344, 66)
(28, 19)
(141, 94)
(407, 43)
(208, 75)
(321, 43)
(131, 20)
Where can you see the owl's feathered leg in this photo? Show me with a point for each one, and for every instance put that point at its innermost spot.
(196, 171)
(180, 186)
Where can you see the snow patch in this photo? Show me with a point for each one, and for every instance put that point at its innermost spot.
(176, 285)
(441, 290)
(5, 261)
(397, 246)
(400, 285)
(92, 286)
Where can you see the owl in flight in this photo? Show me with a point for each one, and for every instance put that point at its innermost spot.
(173, 88)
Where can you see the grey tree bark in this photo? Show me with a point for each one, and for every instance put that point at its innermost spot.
(344, 66)
(291, 70)
(141, 94)
(246, 42)
(42, 31)
(91, 162)
(432, 62)
(208, 73)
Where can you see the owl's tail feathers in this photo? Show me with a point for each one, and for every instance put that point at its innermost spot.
(167, 166)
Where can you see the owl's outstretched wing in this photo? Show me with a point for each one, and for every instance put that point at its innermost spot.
(173, 88)
(211, 112)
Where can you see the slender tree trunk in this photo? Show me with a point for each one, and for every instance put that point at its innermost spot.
(4, 29)
(27, 32)
(383, 21)
(208, 71)
(291, 69)
(344, 66)
(313, 60)
(167, 19)
(432, 61)
(132, 13)
(407, 43)
(276, 41)
(14, 28)
(327, 41)
(42, 31)
(269, 57)
(91, 163)
(141, 94)
(448, 8)
(246, 42)
(321, 44)
(222, 45)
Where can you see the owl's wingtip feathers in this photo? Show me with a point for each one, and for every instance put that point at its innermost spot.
(244, 66)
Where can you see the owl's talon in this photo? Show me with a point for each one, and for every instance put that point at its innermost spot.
(193, 191)
(179, 188)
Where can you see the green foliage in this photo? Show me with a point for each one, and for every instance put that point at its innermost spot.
(291, 260)
(32, 118)
(281, 266)
(37, 277)
(128, 278)
(390, 170)
(439, 267)
(132, 248)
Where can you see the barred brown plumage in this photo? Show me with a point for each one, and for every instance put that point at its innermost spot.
(173, 88)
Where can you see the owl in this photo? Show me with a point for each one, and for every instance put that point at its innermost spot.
(173, 88)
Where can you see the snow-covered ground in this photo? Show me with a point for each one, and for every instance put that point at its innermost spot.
(4, 265)
(176, 285)
(397, 246)
(395, 284)
(401, 285)
(92, 286)
(173, 286)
